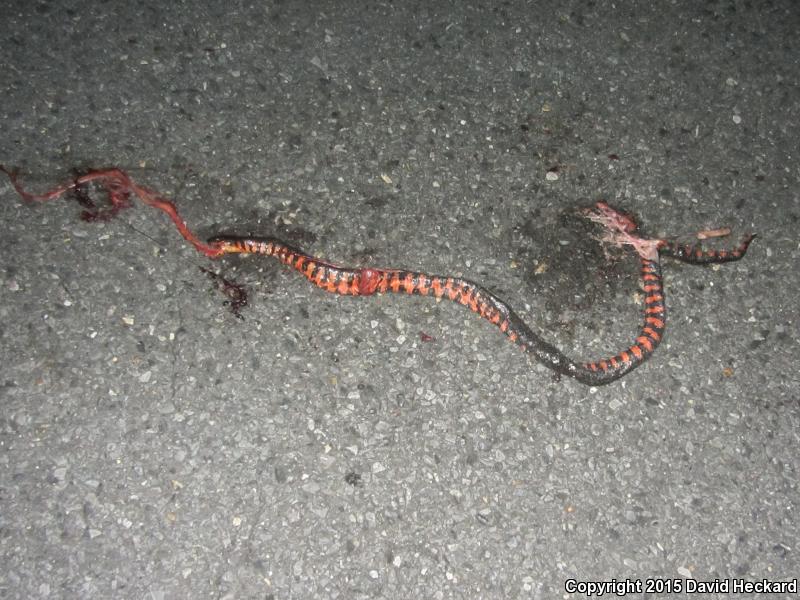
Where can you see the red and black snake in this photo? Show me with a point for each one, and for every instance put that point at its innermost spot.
(366, 281)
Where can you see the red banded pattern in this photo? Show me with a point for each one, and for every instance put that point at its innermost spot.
(652, 331)
(695, 254)
(367, 281)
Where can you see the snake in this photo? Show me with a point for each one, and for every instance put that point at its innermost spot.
(620, 230)
(367, 281)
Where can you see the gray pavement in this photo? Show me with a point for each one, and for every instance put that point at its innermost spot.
(153, 446)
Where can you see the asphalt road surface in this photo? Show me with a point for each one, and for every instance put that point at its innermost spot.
(154, 446)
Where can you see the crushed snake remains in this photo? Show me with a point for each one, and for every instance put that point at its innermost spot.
(619, 230)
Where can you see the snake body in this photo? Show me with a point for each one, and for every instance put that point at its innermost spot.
(367, 281)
